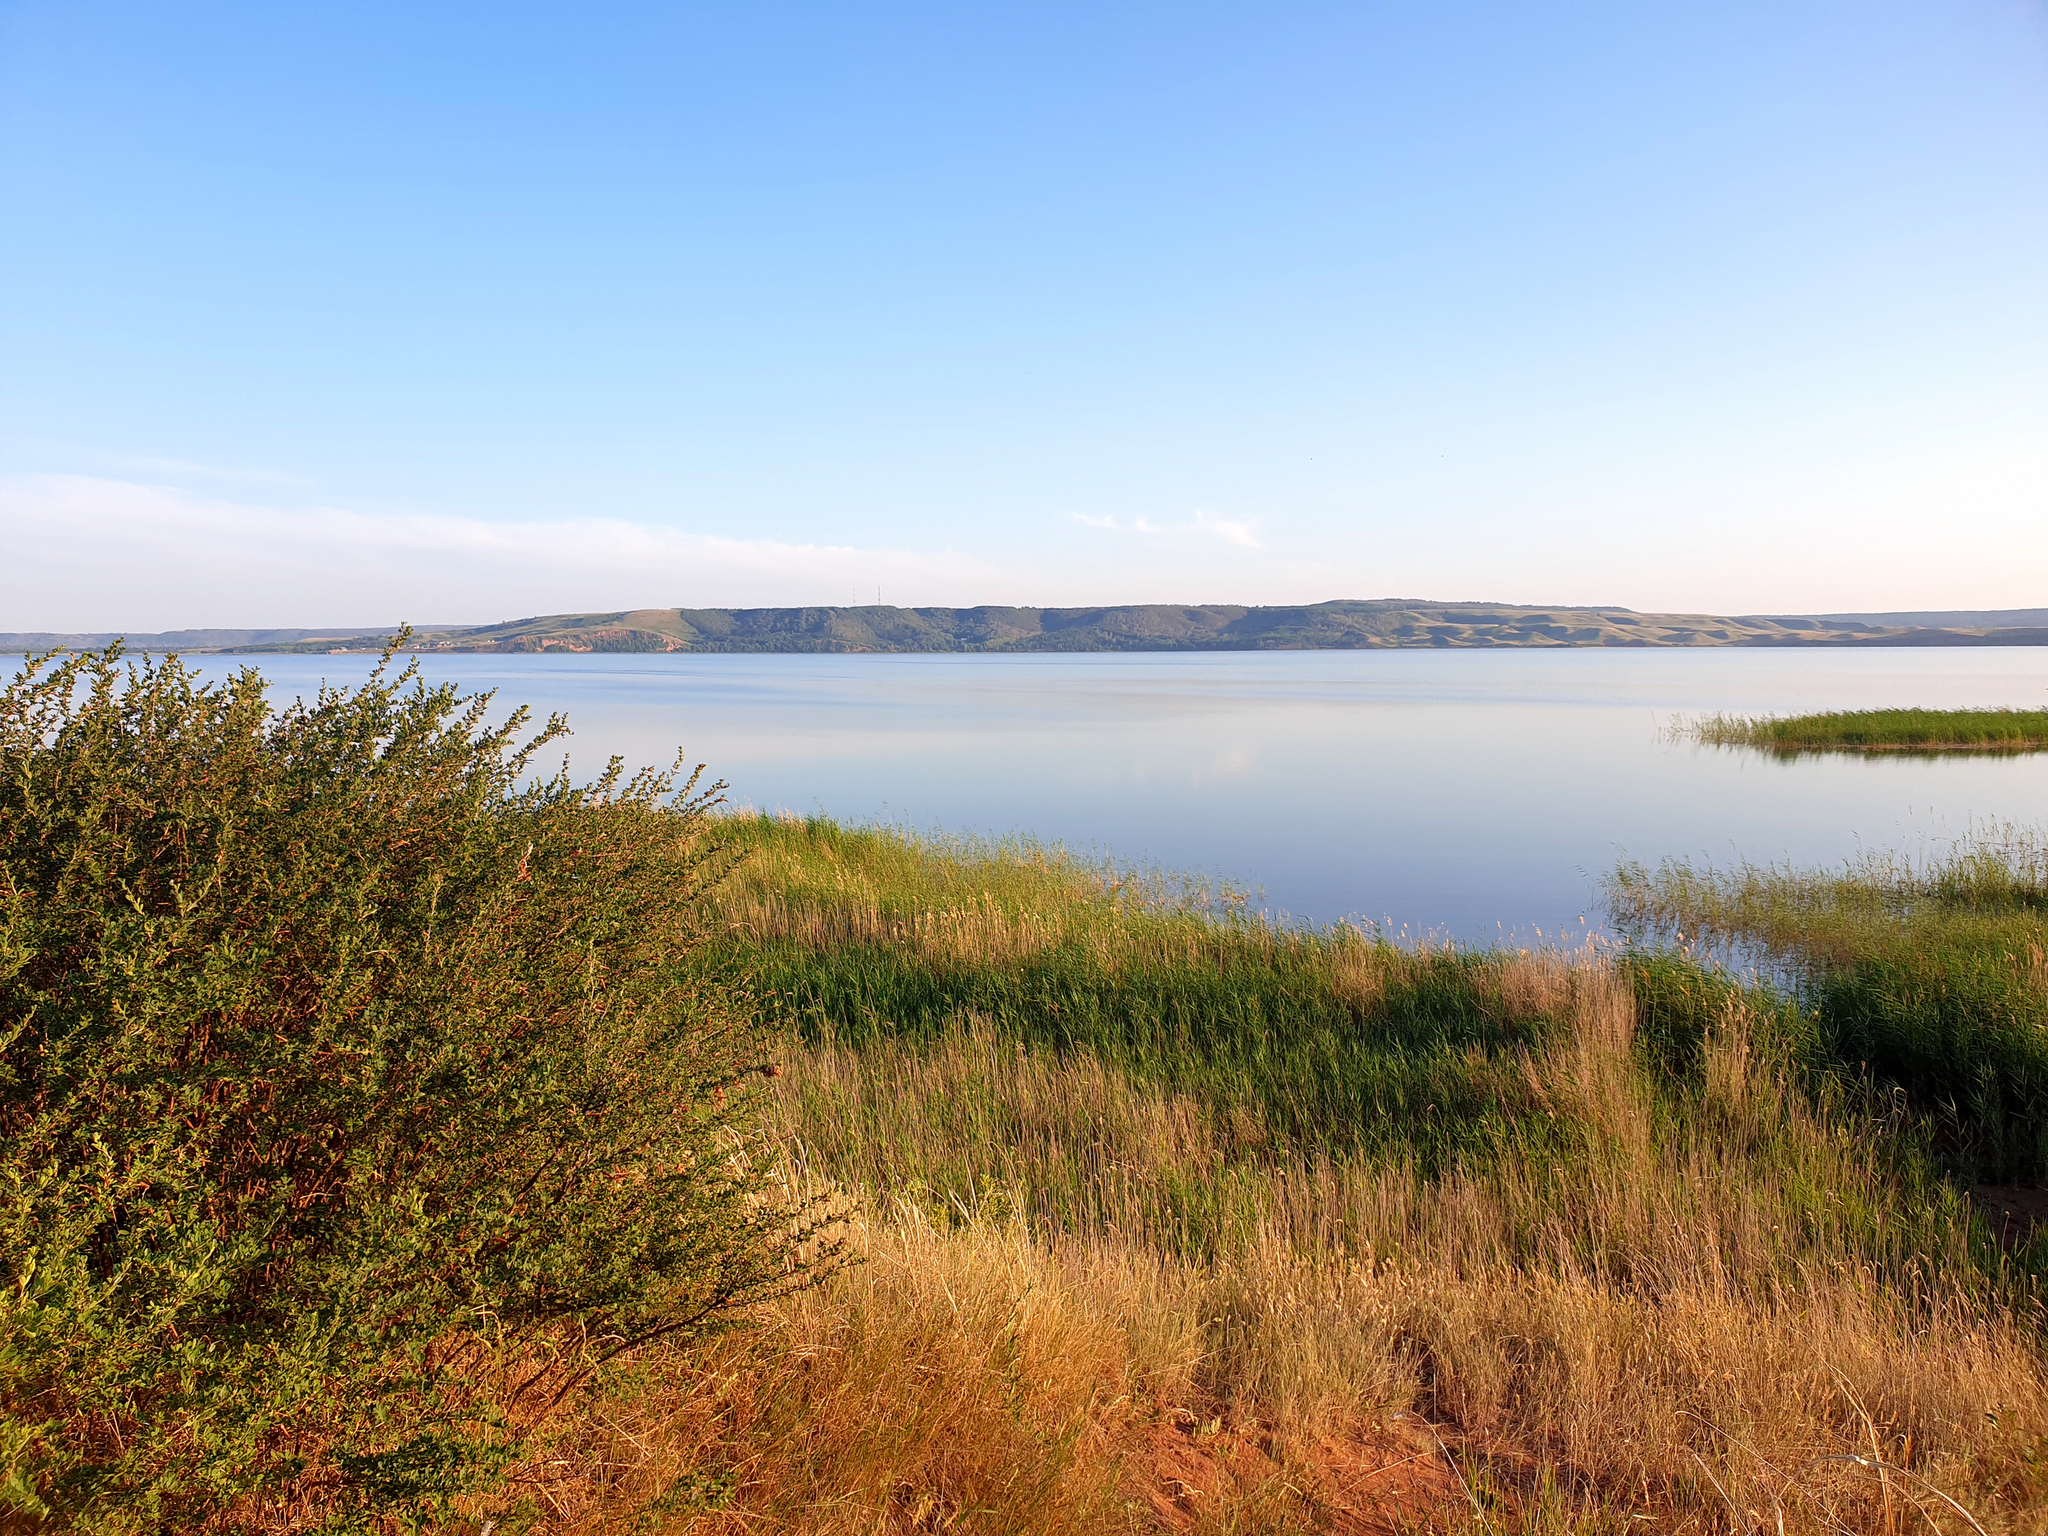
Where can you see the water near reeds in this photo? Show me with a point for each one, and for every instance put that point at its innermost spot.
(1459, 791)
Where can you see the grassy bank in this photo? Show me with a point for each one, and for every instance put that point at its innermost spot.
(1879, 730)
(1174, 1220)
(1930, 974)
(391, 1142)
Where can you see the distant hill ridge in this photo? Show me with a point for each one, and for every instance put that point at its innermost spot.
(1343, 625)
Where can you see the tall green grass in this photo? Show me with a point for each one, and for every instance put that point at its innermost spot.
(1292, 1045)
(1316, 1039)
(1876, 730)
(1929, 974)
(1634, 1234)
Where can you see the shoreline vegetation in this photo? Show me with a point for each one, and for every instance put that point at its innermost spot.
(1393, 623)
(1876, 730)
(1021, 1193)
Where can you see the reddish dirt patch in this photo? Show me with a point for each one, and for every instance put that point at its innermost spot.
(2013, 1211)
(1371, 1481)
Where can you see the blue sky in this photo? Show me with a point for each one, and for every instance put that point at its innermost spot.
(325, 314)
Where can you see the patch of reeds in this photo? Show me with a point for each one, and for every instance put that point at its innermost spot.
(1877, 730)
(1927, 972)
(1253, 1018)
(1721, 1290)
(1174, 1220)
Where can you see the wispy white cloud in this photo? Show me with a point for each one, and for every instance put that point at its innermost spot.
(91, 553)
(1202, 527)
(83, 552)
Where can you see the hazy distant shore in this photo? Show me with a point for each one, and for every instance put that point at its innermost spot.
(1393, 623)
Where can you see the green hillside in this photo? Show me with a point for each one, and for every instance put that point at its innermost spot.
(1393, 622)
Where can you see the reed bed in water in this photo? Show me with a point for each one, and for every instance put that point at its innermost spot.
(1929, 972)
(1877, 730)
(1173, 1220)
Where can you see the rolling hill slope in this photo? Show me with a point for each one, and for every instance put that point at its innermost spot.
(1344, 625)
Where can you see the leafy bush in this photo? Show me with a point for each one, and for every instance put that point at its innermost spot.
(357, 1098)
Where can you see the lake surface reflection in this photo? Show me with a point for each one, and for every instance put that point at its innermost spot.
(1462, 792)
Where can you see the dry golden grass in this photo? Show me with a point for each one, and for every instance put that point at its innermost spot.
(1663, 1331)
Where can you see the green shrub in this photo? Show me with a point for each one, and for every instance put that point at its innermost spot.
(357, 1096)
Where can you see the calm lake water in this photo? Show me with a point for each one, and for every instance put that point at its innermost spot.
(1470, 793)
